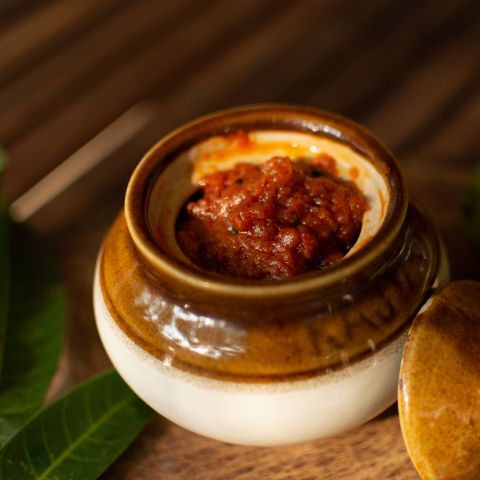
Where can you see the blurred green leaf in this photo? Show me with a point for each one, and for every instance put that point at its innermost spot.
(34, 334)
(471, 209)
(78, 436)
(3, 160)
(4, 265)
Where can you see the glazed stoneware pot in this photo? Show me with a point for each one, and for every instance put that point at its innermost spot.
(264, 362)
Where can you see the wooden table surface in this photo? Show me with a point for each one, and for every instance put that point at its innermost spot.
(407, 70)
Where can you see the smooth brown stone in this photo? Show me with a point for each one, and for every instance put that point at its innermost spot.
(439, 387)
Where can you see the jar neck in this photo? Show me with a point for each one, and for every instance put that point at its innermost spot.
(205, 291)
(167, 166)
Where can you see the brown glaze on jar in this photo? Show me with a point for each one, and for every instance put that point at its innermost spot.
(263, 331)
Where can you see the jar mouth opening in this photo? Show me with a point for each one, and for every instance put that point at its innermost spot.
(165, 179)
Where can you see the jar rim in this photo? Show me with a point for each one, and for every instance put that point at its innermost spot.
(262, 117)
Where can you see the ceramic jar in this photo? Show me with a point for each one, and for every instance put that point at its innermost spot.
(264, 362)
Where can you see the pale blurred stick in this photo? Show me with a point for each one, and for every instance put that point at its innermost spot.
(100, 147)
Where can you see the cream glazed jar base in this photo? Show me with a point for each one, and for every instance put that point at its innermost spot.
(272, 414)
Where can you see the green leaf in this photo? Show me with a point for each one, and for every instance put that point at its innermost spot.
(34, 334)
(4, 268)
(3, 160)
(471, 209)
(78, 436)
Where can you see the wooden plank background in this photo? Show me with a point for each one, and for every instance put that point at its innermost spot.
(407, 70)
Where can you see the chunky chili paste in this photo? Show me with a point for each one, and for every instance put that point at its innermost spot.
(271, 221)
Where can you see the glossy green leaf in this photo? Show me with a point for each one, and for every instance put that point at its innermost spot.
(78, 436)
(34, 334)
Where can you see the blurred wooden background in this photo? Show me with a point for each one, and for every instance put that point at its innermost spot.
(407, 70)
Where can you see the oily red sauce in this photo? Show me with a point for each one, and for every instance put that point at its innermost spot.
(272, 221)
